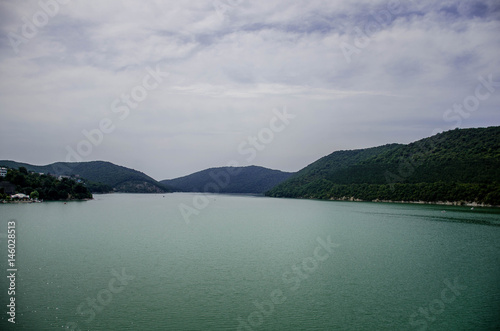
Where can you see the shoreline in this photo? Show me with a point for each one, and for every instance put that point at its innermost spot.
(421, 202)
(40, 201)
(443, 203)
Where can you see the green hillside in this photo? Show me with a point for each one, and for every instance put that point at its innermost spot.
(43, 187)
(120, 179)
(250, 179)
(458, 165)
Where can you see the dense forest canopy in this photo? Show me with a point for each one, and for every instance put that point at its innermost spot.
(101, 176)
(458, 165)
(44, 187)
(251, 179)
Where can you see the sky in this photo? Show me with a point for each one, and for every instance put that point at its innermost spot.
(174, 87)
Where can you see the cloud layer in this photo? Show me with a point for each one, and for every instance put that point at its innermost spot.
(355, 74)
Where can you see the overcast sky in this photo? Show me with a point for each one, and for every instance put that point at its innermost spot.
(174, 87)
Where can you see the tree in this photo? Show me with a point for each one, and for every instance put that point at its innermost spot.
(34, 194)
(18, 179)
(23, 170)
(52, 194)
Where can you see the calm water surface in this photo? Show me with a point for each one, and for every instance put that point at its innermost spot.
(131, 262)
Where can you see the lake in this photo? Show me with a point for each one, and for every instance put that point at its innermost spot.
(132, 262)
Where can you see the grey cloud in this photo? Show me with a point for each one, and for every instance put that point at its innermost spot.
(227, 71)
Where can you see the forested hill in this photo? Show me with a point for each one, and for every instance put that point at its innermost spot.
(251, 179)
(458, 165)
(42, 187)
(118, 178)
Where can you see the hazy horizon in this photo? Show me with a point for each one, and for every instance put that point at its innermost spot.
(216, 166)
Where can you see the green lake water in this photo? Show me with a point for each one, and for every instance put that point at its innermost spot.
(132, 262)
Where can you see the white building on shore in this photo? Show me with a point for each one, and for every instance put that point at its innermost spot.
(3, 172)
(20, 196)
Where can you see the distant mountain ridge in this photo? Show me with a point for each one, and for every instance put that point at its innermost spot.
(457, 166)
(251, 179)
(120, 179)
(461, 165)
